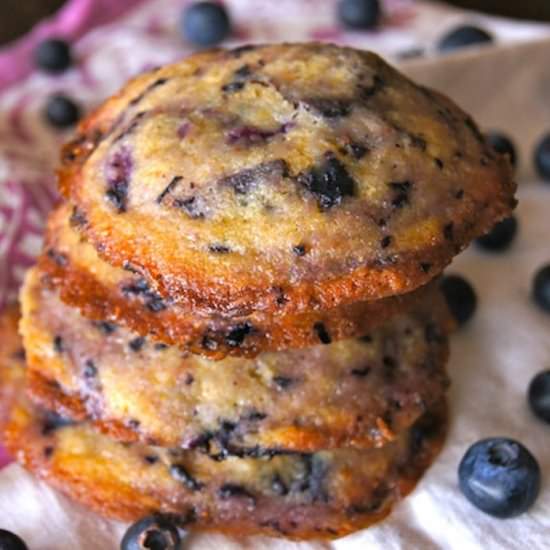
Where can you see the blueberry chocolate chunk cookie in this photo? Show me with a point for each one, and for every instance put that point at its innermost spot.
(308, 171)
(355, 393)
(122, 295)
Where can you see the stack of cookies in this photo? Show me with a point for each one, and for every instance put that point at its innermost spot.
(236, 319)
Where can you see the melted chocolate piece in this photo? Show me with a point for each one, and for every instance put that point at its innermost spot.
(329, 182)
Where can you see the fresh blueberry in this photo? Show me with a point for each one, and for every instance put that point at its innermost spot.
(359, 14)
(541, 288)
(53, 55)
(205, 23)
(500, 477)
(10, 541)
(462, 36)
(501, 236)
(539, 395)
(155, 532)
(502, 144)
(460, 297)
(62, 111)
(542, 158)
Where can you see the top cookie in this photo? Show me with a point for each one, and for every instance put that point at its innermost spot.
(282, 178)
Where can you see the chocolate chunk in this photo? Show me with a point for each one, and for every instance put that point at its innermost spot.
(151, 459)
(169, 188)
(390, 367)
(367, 339)
(48, 451)
(418, 141)
(330, 107)
(237, 334)
(58, 344)
(118, 173)
(244, 181)
(283, 382)
(299, 250)
(459, 194)
(439, 163)
(219, 248)
(329, 182)
(425, 266)
(57, 257)
(179, 473)
(137, 343)
(322, 333)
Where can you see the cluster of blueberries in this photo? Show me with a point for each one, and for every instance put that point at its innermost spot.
(498, 475)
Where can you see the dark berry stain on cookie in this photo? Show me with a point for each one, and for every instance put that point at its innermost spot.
(192, 206)
(218, 248)
(299, 250)
(148, 89)
(251, 135)
(386, 241)
(132, 126)
(136, 344)
(284, 382)
(234, 86)
(439, 163)
(232, 490)
(366, 92)
(401, 191)
(140, 288)
(117, 173)
(235, 337)
(58, 344)
(246, 180)
(180, 474)
(448, 231)
(328, 181)
(329, 107)
(322, 333)
(169, 188)
(105, 327)
(57, 257)
(278, 486)
(314, 478)
(356, 150)
(53, 421)
(90, 370)
(78, 218)
(361, 372)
